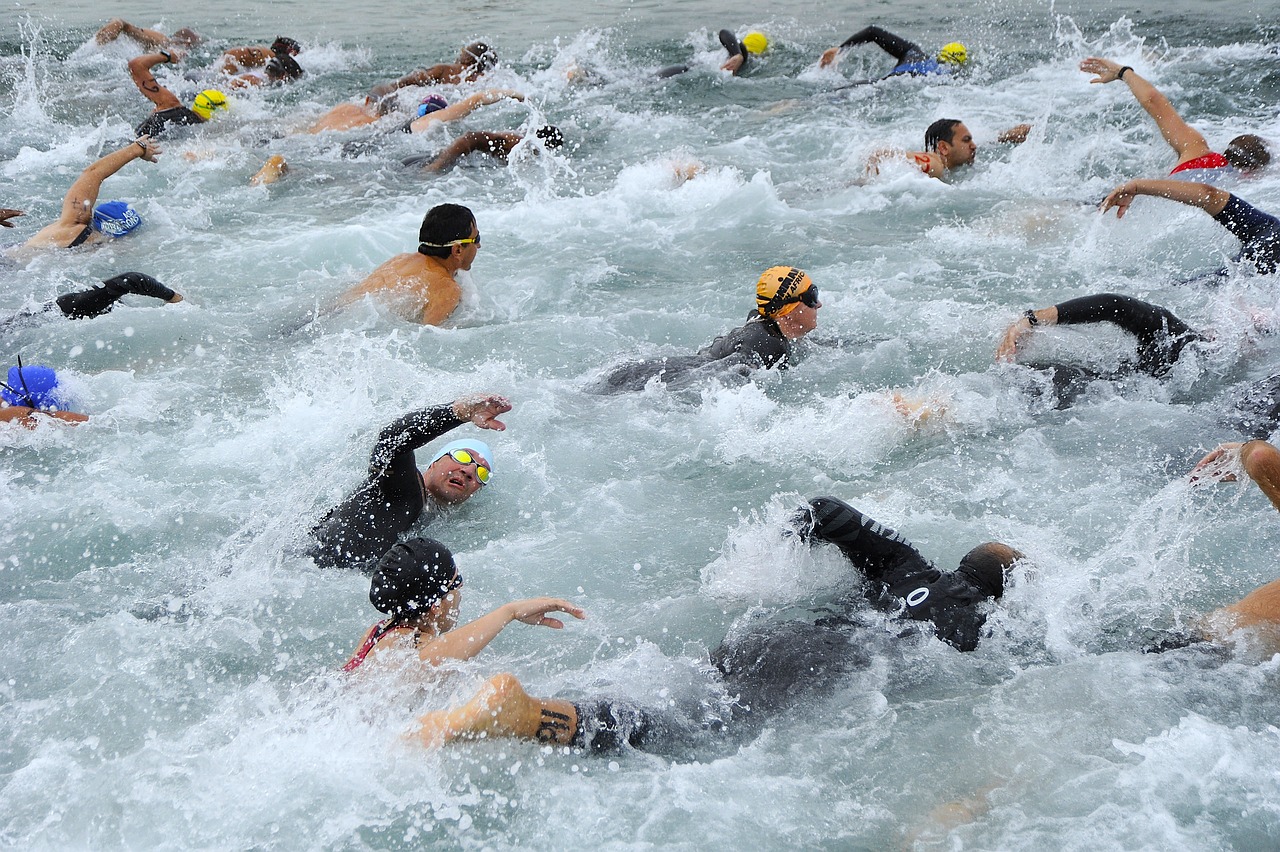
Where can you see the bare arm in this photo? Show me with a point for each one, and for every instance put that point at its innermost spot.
(77, 205)
(1258, 459)
(1008, 348)
(1210, 199)
(497, 145)
(465, 642)
(27, 417)
(464, 107)
(1015, 135)
(140, 70)
(417, 77)
(1185, 140)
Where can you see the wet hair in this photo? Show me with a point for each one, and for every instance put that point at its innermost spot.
(282, 68)
(483, 57)
(942, 130)
(412, 577)
(285, 45)
(550, 136)
(1247, 152)
(186, 36)
(987, 564)
(443, 224)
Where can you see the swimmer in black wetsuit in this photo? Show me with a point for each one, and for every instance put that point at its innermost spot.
(97, 301)
(911, 60)
(1258, 232)
(364, 526)
(786, 309)
(739, 55)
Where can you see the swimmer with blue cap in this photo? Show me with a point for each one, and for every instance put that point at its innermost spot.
(30, 390)
(80, 222)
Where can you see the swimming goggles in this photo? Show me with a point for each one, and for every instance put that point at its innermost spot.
(464, 457)
(465, 241)
(808, 297)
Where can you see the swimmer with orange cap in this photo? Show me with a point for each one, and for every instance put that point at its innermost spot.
(911, 60)
(786, 310)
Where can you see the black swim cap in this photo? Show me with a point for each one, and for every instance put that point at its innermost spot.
(987, 564)
(412, 577)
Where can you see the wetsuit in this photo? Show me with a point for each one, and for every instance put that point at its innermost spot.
(1161, 335)
(911, 59)
(158, 122)
(1258, 233)
(364, 526)
(731, 44)
(95, 301)
(758, 343)
(1211, 160)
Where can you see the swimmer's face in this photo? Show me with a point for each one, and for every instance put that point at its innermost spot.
(451, 482)
(961, 150)
(799, 322)
(469, 251)
(445, 613)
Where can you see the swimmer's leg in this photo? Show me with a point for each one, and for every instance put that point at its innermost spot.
(99, 300)
(500, 709)
(272, 170)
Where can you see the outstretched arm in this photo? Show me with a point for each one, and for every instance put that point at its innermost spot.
(77, 205)
(465, 642)
(117, 27)
(497, 145)
(140, 70)
(1258, 459)
(895, 46)
(1013, 335)
(1185, 140)
(463, 108)
(1210, 199)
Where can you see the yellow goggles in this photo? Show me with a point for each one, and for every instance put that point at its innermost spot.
(464, 457)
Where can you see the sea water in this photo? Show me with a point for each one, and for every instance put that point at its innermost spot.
(170, 675)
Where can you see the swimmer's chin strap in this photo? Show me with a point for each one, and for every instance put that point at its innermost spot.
(25, 393)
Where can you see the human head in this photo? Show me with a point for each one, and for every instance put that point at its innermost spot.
(186, 37)
(442, 226)
(1247, 152)
(115, 218)
(285, 45)
(450, 481)
(282, 68)
(987, 566)
(430, 104)
(952, 140)
(207, 102)
(954, 53)
(779, 289)
(755, 42)
(478, 56)
(412, 577)
(33, 386)
(550, 135)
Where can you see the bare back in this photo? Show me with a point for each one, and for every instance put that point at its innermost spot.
(418, 287)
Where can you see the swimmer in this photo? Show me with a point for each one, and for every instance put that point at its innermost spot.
(168, 109)
(1258, 232)
(474, 60)
(80, 223)
(786, 310)
(911, 60)
(948, 145)
(395, 493)
(276, 61)
(739, 53)
(421, 285)
(497, 146)
(97, 301)
(30, 393)
(145, 38)
(1245, 153)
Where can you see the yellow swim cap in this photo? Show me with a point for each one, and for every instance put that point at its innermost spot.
(777, 289)
(207, 101)
(755, 43)
(955, 53)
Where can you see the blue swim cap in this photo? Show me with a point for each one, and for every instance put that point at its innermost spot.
(35, 387)
(430, 104)
(475, 445)
(115, 218)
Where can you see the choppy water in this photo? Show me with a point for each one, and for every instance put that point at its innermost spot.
(170, 676)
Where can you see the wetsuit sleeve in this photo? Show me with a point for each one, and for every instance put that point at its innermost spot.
(898, 48)
(756, 344)
(410, 432)
(1258, 232)
(883, 555)
(99, 300)
(1161, 335)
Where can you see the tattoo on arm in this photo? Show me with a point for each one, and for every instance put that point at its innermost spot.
(554, 727)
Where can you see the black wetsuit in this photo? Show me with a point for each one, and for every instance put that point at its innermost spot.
(758, 343)
(731, 44)
(159, 122)
(1161, 335)
(911, 60)
(1258, 233)
(364, 526)
(96, 301)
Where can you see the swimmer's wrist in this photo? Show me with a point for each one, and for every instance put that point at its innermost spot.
(1123, 68)
(1031, 318)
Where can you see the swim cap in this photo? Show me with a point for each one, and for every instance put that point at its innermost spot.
(550, 135)
(776, 287)
(207, 101)
(987, 564)
(755, 42)
(475, 445)
(954, 53)
(412, 577)
(33, 386)
(284, 44)
(430, 104)
(115, 218)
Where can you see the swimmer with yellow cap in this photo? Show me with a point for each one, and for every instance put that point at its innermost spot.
(169, 111)
(912, 61)
(207, 102)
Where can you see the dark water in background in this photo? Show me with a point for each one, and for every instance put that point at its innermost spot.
(170, 662)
